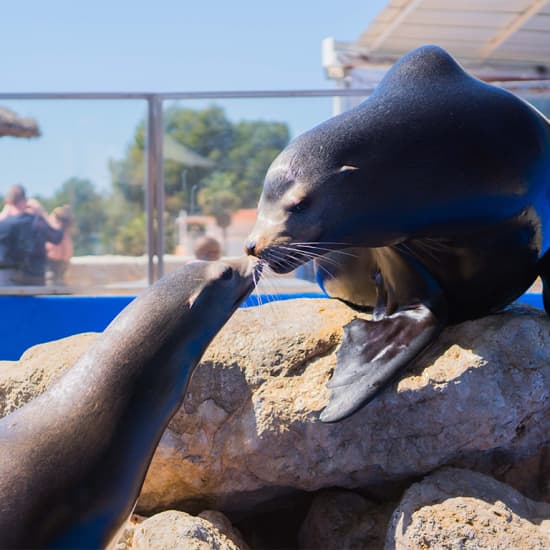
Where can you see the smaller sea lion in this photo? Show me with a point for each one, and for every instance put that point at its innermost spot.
(73, 460)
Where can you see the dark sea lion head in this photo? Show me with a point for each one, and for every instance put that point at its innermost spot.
(302, 201)
(322, 183)
(430, 135)
(191, 304)
(210, 281)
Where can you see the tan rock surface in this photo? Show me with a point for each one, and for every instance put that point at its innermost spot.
(456, 508)
(249, 427)
(342, 519)
(173, 530)
(36, 370)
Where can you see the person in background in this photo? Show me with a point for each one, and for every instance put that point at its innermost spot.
(8, 265)
(59, 255)
(24, 232)
(207, 248)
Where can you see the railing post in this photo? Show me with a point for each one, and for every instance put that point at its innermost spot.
(154, 201)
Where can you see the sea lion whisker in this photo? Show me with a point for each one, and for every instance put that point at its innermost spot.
(328, 243)
(319, 258)
(285, 261)
(277, 259)
(322, 258)
(298, 254)
(256, 280)
(297, 251)
(324, 251)
(269, 293)
(324, 268)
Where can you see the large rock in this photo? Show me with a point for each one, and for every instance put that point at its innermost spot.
(461, 509)
(38, 368)
(343, 519)
(249, 427)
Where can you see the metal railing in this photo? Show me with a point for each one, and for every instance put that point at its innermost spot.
(154, 187)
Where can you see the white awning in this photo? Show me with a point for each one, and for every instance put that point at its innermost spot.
(494, 39)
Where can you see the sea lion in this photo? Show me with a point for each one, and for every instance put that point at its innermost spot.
(441, 184)
(73, 460)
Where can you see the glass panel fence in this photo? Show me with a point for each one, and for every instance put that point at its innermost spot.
(96, 160)
(82, 186)
(216, 154)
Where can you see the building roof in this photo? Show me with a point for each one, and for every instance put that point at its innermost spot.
(494, 39)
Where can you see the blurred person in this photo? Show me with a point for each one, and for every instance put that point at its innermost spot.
(24, 232)
(15, 201)
(207, 248)
(35, 207)
(59, 255)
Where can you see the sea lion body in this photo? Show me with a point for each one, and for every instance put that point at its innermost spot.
(73, 460)
(429, 202)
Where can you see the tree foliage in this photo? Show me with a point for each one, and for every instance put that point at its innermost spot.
(220, 163)
(240, 151)
(87, 206)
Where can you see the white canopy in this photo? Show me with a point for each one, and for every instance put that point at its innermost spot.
(494, 39)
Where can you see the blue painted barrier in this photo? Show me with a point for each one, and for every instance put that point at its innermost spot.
(30, 320)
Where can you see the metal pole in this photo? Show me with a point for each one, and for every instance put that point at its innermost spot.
(159, 181)
(154, 180)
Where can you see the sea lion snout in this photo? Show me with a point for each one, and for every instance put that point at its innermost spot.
(250, 247)
(256, 245)
(245, 266)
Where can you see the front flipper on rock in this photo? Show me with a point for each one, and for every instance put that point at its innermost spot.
(373, 353)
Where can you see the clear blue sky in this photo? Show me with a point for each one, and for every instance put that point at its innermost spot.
(165, 45)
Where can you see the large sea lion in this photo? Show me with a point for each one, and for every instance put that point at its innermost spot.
(73, 460)
(441, 184)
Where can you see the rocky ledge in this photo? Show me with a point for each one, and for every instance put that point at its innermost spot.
(248, 441)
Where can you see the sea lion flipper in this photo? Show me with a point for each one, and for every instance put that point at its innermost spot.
(373, 353)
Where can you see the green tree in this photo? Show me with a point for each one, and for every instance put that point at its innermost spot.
(220, 199)
(202, 148)
(130, 238)
(255, 146)
(128, 174)
(88, 212)
(123, 231)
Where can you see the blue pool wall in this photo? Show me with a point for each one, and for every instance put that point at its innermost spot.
(30, 320)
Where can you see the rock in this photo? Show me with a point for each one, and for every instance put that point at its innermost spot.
(456, 508)
(172, 530)
(223, 525)
(249, 431)
(124, 537)
(342, 519)
(36, 370)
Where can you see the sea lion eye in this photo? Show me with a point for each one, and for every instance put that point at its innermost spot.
(297, 207)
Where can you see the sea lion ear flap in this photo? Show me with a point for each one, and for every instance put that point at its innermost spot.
(347, 168)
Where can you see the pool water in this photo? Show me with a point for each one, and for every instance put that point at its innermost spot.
(30, 320)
